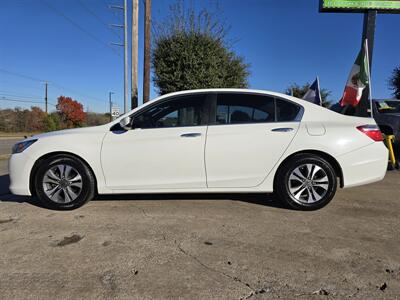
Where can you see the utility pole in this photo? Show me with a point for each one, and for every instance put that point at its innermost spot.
(125, 56)
(134, 54)
(45, 96)
(109, 99)
(125, 45)
(146, 75)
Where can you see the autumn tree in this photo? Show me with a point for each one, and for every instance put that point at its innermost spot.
(34, 119)
(22, 120)
(71, 112)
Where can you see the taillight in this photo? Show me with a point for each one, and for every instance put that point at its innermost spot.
(372, 131)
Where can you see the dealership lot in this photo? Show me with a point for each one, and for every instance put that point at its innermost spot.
(197, 246)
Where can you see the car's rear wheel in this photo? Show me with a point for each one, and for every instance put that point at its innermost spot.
(306, 182)
(64, 182)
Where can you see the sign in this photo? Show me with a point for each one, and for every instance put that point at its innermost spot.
(389, 6)
(115, 111)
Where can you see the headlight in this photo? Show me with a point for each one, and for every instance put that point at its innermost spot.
(20, 147)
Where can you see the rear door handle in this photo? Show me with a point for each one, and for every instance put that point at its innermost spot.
(191, 134)
(282, 129)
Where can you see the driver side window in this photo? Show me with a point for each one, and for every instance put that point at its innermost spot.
(178, 112)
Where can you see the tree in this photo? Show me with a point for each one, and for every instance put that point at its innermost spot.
(34, 119)
(299, 92)
(71, 112)
(94, 119)
(22, 120)
(190, 52)
(394, 82)
(51, 122)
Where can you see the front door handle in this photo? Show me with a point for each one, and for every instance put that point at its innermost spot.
(191, 134)
(282, 129)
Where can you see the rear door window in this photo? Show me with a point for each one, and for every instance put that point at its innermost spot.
(244, 108)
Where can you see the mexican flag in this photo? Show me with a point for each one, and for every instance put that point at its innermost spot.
(358, 80)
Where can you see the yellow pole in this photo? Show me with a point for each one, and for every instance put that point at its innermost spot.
(389, 144)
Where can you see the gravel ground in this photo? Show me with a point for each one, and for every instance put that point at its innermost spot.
(197, 247)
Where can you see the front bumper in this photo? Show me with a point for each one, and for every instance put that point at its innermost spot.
(365, 165)
(20, 166)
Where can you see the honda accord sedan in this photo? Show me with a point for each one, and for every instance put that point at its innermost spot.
(205, 141)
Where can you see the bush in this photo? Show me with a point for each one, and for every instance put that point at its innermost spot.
(190, 53)
(51, 122)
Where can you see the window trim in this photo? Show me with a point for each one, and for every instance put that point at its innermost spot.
(213, 109)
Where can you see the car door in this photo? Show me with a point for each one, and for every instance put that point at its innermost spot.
(249, 135)
(164, 150)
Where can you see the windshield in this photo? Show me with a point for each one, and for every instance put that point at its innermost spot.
(388, 106)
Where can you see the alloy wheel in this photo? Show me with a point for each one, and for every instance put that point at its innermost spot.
(62, 183)
(308, 183)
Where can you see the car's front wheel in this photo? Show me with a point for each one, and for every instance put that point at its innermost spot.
(64, 182)
(305, 182)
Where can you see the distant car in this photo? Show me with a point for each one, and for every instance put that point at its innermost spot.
(387, 116)
(214, 141)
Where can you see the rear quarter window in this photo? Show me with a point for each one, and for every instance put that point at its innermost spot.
(287, 111)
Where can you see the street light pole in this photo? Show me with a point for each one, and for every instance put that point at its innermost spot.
(45, 96)
(109, 99)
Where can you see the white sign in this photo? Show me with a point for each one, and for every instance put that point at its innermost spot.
(115, 111)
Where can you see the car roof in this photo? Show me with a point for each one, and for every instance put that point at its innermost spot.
(305, 104)
(219, 90)
(235, 90)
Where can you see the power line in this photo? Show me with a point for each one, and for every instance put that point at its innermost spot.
(98, 18)
(56, 85)
(3, 93)
(17, 100)
(24, 101)
(20, 75)
(20, 86)
(94, 37)
(60, 87)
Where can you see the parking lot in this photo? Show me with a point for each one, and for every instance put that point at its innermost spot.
(202, 247)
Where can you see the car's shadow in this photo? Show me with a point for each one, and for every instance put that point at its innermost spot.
(260, 199)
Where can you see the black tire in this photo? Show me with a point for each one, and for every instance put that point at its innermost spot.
(299, 162)
(87, 189)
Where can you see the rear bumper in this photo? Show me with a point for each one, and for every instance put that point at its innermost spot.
(20, 166)
(365, 165)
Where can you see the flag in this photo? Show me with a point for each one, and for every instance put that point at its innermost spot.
(358, 79)
(314, 93)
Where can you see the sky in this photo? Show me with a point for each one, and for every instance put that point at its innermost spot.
(67, 43)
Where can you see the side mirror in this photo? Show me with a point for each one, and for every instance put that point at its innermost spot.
(125, 123)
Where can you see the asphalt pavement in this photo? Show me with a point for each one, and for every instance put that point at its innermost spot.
(6, 144)
(202, 247)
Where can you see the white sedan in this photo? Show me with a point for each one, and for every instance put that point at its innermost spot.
(205, 141)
